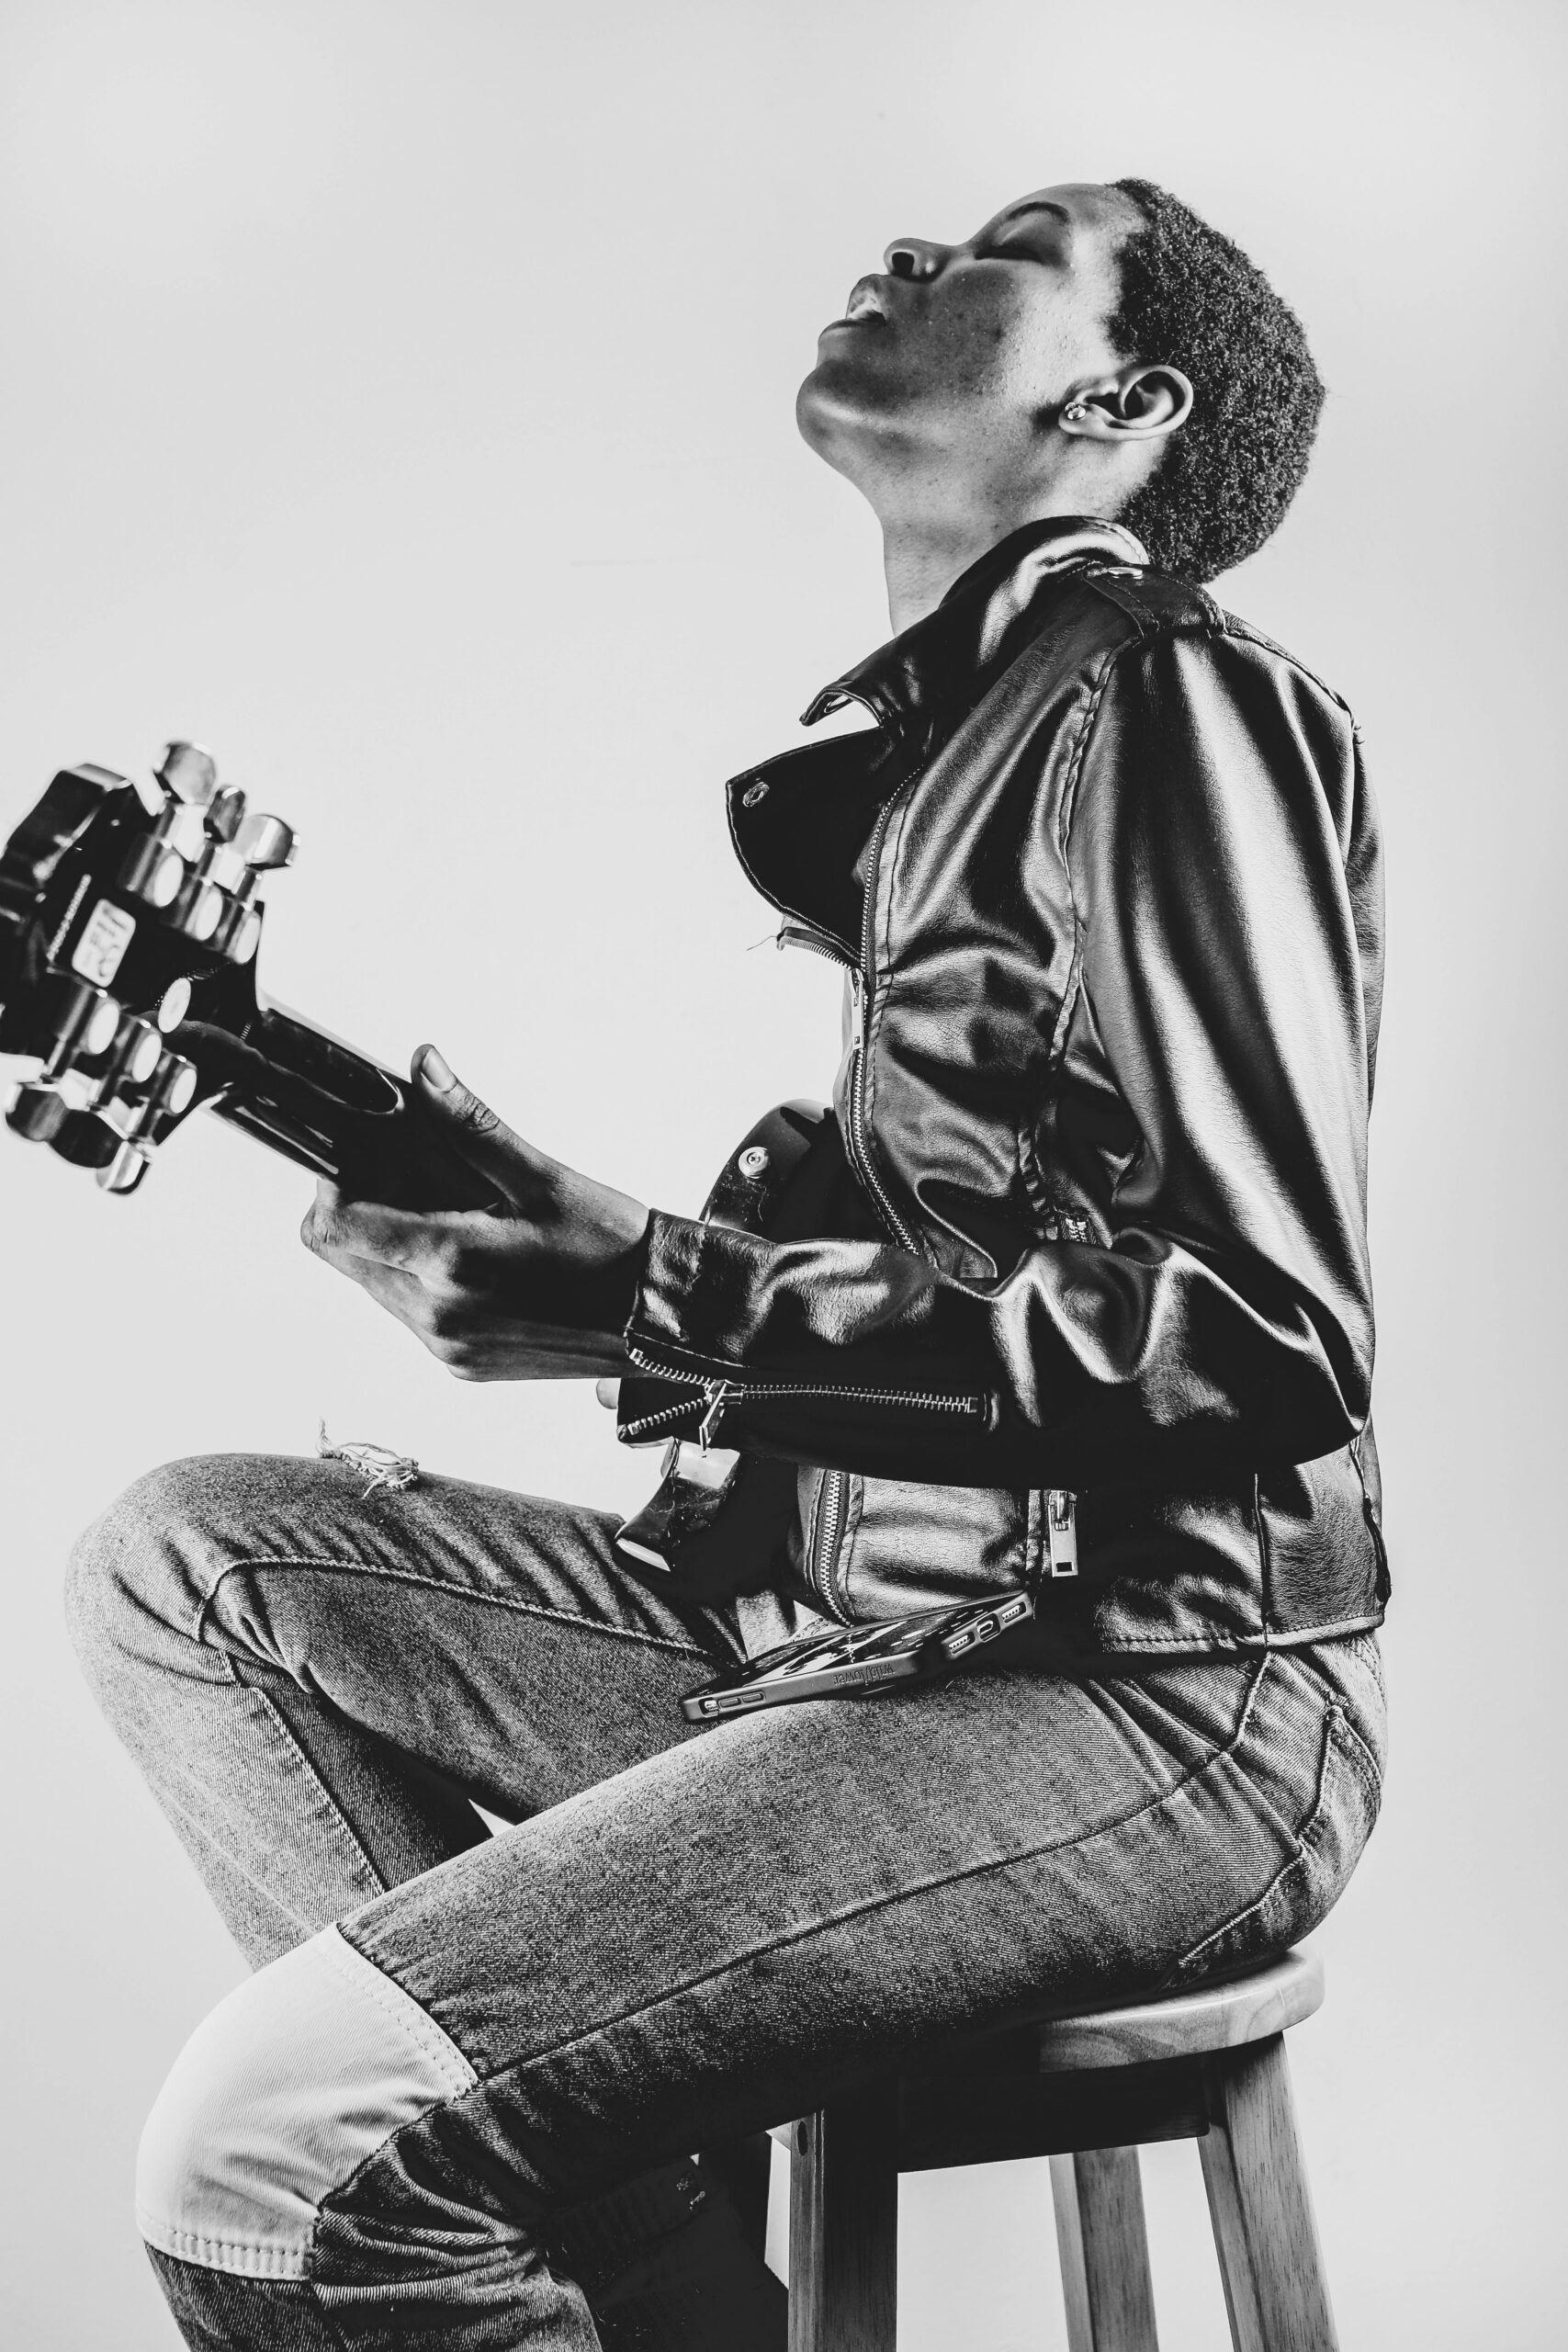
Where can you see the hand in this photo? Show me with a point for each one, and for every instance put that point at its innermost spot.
(541, 1292)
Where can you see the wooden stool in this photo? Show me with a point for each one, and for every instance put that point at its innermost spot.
(1206, 2066)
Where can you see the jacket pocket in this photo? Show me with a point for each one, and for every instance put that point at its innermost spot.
(1313, 1877)
(904, 1547)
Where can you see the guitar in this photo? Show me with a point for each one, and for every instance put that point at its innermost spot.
(129, 922)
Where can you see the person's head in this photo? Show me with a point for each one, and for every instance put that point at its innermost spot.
(1093, 350)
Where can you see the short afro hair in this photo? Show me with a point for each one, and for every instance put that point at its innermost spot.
(1192, 298)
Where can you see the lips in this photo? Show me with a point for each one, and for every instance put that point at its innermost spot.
(867, 306)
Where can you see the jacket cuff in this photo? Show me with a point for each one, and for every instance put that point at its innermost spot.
(677, 1317)
(666, 1397)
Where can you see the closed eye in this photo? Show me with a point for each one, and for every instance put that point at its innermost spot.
(1006, 249)
(1000, 244)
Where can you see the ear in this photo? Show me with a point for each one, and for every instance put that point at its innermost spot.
(1138, 403)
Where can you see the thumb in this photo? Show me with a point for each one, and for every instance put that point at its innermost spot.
(485, 1141)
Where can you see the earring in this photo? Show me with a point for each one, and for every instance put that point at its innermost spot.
(1074, 413)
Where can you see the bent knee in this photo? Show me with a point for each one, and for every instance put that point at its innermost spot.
(277, 2100)
(144, 1560)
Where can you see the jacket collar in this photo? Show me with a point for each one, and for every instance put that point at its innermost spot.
(978, 627)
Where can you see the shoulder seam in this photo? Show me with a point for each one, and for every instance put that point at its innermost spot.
(1230, 625)
(1211, 619)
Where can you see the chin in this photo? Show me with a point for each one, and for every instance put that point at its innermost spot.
(835, 407)
(809, 408)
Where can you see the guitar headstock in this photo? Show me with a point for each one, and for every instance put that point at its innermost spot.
(127, 908)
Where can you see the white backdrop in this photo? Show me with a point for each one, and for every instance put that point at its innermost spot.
(398, 397)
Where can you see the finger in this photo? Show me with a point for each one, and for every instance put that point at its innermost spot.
(401, 1294)
(312, 1223)
(471, 1344)
(539, 1352)
(483, 1139)
(428, 1245)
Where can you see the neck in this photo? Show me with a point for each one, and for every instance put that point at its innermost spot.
(921, 565)
(923, 553)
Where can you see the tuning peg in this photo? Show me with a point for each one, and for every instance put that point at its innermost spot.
(221, 863)
(36, 1113)
(173, 1088)
(239, 934)
(124, 1172)
(174, 1004)
(138, 1049)
(226, 813)
(85, 1140)
(83, 1021)
(264, 841)
(198, 910)
(156, 865)
(150, 1097)
(189, 771)
(152, 870)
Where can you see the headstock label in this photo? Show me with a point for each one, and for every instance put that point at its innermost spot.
(102, 945)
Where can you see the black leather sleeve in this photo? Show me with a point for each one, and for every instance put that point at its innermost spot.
(1221, 855)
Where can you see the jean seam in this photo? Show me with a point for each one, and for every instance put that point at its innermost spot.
(186, 1822)
(1367, 1645)
(282, 1724)
(392, 2000)
(738, 1960)
(325, 2315)
(345, 2297)
(1336, 1732)
(190, 2245)
(1361, 1759)
(451, 1591)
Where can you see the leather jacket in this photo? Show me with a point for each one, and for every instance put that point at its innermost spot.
(1088, 1304)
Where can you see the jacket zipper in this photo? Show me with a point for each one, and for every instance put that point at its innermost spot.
(827, 1533)
(718, 1395)
(864, 984)
(668, 1417)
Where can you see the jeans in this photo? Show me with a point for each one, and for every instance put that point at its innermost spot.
(686, 1935)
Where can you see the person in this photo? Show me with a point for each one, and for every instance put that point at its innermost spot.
(1083, 1305)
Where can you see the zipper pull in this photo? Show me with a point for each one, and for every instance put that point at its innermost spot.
(718, 1394)
(857, 1008)
(1061, 1530)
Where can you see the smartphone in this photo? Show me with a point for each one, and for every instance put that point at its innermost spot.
(853, 1658)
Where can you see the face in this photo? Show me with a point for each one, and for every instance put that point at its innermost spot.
(949, 348)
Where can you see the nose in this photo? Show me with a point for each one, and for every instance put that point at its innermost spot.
(915, 257)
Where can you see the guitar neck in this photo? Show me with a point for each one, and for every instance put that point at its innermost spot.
(319, 1102)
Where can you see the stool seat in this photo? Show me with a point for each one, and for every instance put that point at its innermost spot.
(1085, 2087)
(1217, 2016)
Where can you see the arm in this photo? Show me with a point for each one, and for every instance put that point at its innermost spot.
(1224, 1317)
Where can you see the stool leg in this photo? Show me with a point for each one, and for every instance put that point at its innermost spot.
(1267, 2241)
(1099, 2196)
(843, 2228)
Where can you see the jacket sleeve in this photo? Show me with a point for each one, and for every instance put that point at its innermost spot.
(1220, 1316)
